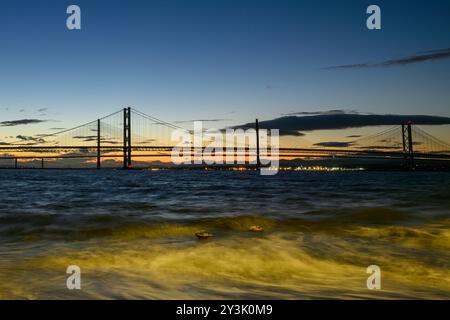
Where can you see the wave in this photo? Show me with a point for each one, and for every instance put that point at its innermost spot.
(282, 265)
(376, 222)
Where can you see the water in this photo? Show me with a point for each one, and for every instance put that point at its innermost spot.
(132, 234)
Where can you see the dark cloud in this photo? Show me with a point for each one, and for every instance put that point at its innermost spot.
(42, 109)
(282, 132)
(351, 66)
(44, 135)
(425, 56)
(29, 144)
(294, 125)
(102, 140)
(395, 146)
(375, 147)
(315, 113)
(2, 143)
(91, 138)
(148, 141)
(28, 138)
(202, 120)
(354, 136)
(334, 144)
(294, 133)
(20, 122)
(270, 87)
(159, 123)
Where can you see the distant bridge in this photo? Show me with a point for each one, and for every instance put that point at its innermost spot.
(130, 134)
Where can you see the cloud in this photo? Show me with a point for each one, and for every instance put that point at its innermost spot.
(102, 140)
(334, 144)
(328, 112)
(20, 122)
(375, 147)
(202, 120)
(42, 109)
(424, 56)
(354, 136)
(28, 138)
(41, 135)
(294, 125)
(91, 138)
(294, 133)
(148, 141)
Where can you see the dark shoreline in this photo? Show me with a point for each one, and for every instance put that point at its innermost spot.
(243, 168)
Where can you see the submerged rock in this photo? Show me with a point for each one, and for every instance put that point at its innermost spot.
(256, 229)
(203, 234)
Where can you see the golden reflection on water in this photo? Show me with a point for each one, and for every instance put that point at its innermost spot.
(289, 260)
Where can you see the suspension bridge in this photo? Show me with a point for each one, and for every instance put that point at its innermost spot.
(129, 137)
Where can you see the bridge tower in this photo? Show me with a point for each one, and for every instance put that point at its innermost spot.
(258, 159)
(99, 161)
(127, 138)
(408, 152)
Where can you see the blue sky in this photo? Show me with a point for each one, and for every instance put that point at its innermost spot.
(237, 60)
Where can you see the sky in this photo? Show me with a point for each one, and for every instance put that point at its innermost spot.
(232, 60)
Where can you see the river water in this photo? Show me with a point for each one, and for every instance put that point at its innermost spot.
(132, 234)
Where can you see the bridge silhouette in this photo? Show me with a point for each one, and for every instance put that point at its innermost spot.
(129, 134)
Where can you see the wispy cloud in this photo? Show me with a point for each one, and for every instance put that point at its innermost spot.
(28, 138)
(376, 147)
(91, 138)
(270, 87)
(425, 56)
(334, 144)
(43, 135)
(202, 120)
(316, 113)
(85, 137)
(148, 141)
(20, 122)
